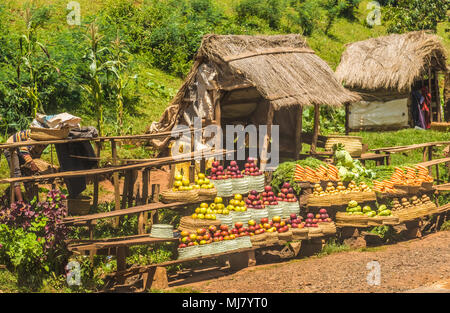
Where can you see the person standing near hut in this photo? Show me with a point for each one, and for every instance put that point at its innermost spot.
(23, 157)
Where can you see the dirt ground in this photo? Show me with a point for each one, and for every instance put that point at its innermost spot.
(404, 267)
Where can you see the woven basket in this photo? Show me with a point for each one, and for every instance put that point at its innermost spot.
(428, 186)
(320, 201)
(271, 238)
(287, 236)
(42, 134)
(314, 232)
(244, 242)
(231, 245)
(363, 196)
(207, 194)
(300, 233)
(224, 187)
(258, 239)
(189, 252)
(328, 228)
(79, 206)
(353, 144)
(344, 219)
(240, 185)
(169, 196)
(189, 224)
(161, 231)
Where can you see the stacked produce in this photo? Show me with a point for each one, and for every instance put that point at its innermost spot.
(239, 230)
(233, 170)
(354, 208)
(307, 174)
(221, 180)
(314, 220)
(415, 207)
(340, 188)
(208, 212)
(286, 193)
(350, 169)
(181, 184)
(255, 177)
(217, 172)
(268, 196)
(201, 182)
(406, 176)
(254, 200)
(251, 169)
(237, 204)
(295, 221)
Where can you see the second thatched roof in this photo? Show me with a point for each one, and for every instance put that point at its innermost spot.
(391, 62)
(283, 69)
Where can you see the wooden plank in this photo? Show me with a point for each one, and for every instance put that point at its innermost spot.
(116, 180)
(438, 96)
(277, 50)
(443, 187)
(431, 92)
(128, 211)
(434, 162)
(156, 162)
(236, 87)
(410, 147)
(122, 243)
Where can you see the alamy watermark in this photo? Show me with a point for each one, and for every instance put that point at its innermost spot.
(74, 16)
(374, 16)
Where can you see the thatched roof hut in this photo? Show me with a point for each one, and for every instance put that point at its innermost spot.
(391, 62)
(389, 67)
(254, 79)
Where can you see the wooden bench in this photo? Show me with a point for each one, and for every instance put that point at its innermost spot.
(435, 163)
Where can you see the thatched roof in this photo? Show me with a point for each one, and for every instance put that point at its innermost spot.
(391, 62)
(283, 69)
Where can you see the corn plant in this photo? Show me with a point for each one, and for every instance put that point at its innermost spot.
(99, 70)
(29, 60)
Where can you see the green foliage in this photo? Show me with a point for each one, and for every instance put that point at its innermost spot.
(445, 226)
(410, 15)
(332, 246)
(259, 12)
(386, 233)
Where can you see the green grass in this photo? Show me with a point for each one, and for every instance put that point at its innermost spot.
(445, 226)
(333, 247)
(175, 290)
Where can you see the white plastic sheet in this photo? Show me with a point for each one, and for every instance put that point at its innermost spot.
(377, 114)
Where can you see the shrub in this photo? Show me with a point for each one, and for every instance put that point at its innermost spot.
(268, 10)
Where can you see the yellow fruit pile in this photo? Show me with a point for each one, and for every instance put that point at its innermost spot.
(237, 204)
(340, 188)
(201, 182)
(209, 211)
(181, 184)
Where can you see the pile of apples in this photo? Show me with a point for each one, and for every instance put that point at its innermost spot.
(217, 172)
(255, 228)
(287, 193)
(239, 230)
(237, 204)
(254, 200)
(295, 221)
(251, 169)
(203, 236)
(321, 217)
(209, 211)
(233, 170)
(268, 196)
(275, 225)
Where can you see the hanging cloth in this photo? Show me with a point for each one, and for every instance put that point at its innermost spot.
(425, 106)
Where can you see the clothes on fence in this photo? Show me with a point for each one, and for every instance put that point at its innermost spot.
(426, 105)
(67, 162)
(83, 132)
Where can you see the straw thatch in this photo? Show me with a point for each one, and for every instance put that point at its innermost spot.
(283, 69)
(391, 62)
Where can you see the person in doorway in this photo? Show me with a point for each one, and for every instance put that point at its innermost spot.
(23, 157)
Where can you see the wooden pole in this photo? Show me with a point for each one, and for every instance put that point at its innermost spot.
(12, 164)
(438, 96)
(347, 112)
(298, 133)
(192, 166)
(430, 91)
(267, 137)
(316, 128)
(116, 180)
(96, 180)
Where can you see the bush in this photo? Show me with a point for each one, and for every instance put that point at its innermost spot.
(270, 11)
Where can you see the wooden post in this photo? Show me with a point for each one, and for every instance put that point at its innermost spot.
(96, 180)
(12, 153)
(347, 112)
(430, 91)
(267, 137)
(424, 154)
(125, 190)
(316, 128)
(217, 109)
(116, 180)
(430, 157)
(438, 96)
(298, 133)
(192, 166)
(447, 97)
(131, 182)
(121, 263)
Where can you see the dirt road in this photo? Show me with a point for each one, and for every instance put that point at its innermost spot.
(403, 267)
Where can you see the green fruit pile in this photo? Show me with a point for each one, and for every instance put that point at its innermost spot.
(355, 209)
